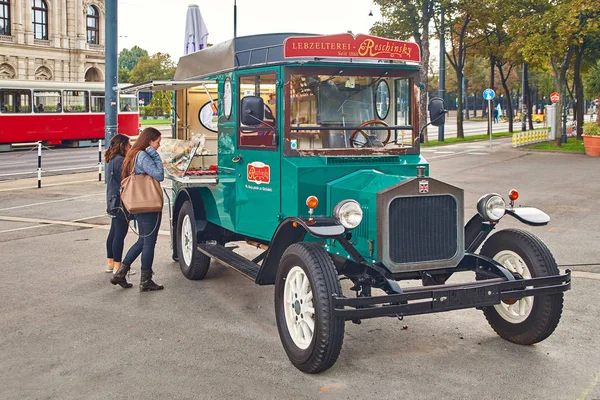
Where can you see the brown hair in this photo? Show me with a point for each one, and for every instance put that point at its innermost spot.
(118, 147)
(143, 141)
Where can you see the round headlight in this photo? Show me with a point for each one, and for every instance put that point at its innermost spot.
(491, 207)
(349, 213)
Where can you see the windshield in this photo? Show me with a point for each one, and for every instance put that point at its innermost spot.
(349, 111)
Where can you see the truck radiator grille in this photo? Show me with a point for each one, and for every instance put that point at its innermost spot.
(423, 228)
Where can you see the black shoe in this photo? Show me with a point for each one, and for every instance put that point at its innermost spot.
(146, 282)
(118, 277)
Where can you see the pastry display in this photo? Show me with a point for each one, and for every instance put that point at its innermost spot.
(186, 158)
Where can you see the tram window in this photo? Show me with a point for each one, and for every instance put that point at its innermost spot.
(75, 101)
(97, 102)
(15, 101)
(128, 103)
(47, 101)
(262, 134)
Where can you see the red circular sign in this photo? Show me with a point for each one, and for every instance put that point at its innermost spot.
(554, 97)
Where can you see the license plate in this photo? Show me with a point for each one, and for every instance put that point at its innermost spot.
(466, 298)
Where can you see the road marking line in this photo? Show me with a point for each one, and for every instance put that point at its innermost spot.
(446, 155)
(478, 153)
(50, 202)
(65, 223)
(25, 228)
(591, 387)
(45, 185)
(445, 152)
(586, 275)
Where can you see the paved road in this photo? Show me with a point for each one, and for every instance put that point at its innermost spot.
(65, 333)
(23, 161)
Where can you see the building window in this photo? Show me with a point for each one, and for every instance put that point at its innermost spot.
(4, 17)
(93, 22)
(40, 19)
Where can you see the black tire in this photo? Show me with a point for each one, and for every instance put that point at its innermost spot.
(196, 266)
(546, 310)
(328, 332)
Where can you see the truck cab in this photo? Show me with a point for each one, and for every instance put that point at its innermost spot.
(308, 147)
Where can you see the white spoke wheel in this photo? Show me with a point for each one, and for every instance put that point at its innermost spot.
(514, 311)
(305, 285)
(194, 264)
(530, 319)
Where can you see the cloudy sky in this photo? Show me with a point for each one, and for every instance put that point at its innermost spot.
(159, 25)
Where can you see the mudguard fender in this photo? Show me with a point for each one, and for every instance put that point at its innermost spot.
(292, 230)
(529, 215)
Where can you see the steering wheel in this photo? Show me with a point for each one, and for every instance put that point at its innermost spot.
(353, 140)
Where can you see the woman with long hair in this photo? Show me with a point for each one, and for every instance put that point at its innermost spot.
(114, 157)
(143, 159)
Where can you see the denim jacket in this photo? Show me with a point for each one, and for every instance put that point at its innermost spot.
(149, 162)
(113, 177)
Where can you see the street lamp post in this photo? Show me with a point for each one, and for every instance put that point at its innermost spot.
(111, 99)
(442, 81)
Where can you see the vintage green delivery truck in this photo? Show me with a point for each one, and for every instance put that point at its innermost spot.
(311, 152)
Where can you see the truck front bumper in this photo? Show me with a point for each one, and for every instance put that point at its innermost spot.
(439, 298)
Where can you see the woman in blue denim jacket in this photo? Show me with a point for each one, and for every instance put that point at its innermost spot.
(143, 159)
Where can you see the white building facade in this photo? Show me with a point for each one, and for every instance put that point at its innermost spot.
(56, 40)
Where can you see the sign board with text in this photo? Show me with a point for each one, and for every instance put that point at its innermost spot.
(347, 46)
(554, 97)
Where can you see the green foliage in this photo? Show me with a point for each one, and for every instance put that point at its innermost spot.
(158, 66)
(129, 58)
(124, 75)
(592, 81)
(591, 129)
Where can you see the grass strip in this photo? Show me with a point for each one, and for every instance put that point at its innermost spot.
(572, 146)
(473, 138)
(145, 122)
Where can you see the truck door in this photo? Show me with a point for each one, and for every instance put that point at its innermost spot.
(258, 162)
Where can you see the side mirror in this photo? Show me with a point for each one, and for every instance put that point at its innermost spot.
(437, 113)
(252, 111)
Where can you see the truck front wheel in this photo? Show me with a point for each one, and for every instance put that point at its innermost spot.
(530, 319)
(194, 264)
(306, 282)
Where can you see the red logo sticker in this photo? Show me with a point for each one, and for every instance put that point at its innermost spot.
(259, 172)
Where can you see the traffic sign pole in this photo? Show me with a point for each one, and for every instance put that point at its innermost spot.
(489, 94)
(490, 121)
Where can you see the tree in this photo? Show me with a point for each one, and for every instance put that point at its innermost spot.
(555, 37)
(129, 58)
(124, 75)
(404, 20)
(460, 16)
(592, 86)
(159, 66)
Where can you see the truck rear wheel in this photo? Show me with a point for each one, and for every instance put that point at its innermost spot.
(531, 319)
(306, 281)
(194, 264)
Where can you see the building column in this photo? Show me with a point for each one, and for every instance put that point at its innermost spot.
(30, 68)
(28, 28)
(55, 27)
(18, 22)
(21, 68)
(79, 24)
(63, 27)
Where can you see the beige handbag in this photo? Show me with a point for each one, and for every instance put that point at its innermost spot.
(141, 193)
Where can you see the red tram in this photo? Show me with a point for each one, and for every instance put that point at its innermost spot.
(59, 112)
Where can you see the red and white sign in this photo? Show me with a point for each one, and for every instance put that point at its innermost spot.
(554, 97)
(259, 172)
(347, 46)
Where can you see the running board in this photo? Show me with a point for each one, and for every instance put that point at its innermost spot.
(230, 259)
